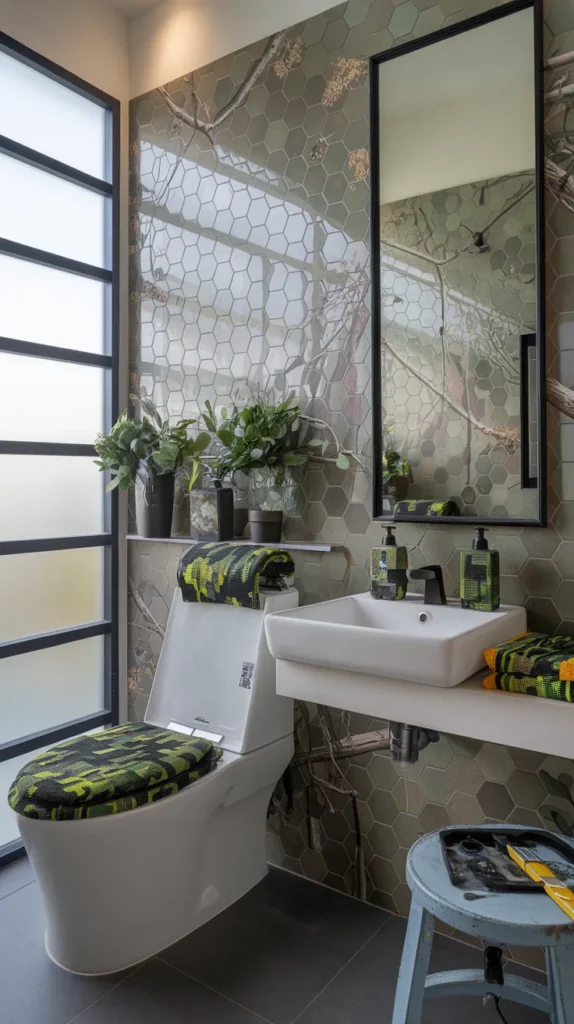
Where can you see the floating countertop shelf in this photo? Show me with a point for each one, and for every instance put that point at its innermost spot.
(290, 545)
(494, 716)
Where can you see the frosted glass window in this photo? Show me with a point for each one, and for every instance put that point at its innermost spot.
(51, 307)
(48, 400)
(45, 688)
(8, 772)
(49, 213)
(50, 496)
(51, 118)
(50, 590)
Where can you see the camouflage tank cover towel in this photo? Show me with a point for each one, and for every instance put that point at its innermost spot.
(230, 573)
(110, 772)
(412, 507)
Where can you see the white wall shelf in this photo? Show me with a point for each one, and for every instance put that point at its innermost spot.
(289, 545)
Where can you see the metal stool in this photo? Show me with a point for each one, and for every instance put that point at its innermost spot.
(507, 919)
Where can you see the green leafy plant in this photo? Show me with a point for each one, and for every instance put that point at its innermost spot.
(260, 435)
(394, 465)
(146, 447)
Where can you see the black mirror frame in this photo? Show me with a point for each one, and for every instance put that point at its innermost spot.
(496, 14)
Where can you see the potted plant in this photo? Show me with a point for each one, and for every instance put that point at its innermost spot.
(146, 453)
(263, 440)
(397, 474)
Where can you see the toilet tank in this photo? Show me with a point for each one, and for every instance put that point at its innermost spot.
(215, 674)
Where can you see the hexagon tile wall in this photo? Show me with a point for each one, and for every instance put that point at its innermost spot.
(250, 267)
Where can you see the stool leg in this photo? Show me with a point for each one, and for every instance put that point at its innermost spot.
(414, 967)
(560, 968)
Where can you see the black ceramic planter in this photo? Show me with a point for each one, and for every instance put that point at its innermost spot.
(265, 527)
(154, 506)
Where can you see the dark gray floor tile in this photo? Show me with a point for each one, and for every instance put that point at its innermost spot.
(14, 875)
(34, 991)
(276, 948)
(22, 912)
(158, 994)
(364, 991)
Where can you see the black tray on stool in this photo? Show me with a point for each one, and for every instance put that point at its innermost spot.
(476, 858)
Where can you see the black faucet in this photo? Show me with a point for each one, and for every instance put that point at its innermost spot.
(434, 583)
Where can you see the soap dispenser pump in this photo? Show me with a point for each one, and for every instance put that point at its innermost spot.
(480, 575)
(389, 564)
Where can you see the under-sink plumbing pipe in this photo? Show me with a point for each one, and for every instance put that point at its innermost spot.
(343, 749)
(406, 741)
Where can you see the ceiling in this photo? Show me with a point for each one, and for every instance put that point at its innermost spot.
(133, 7)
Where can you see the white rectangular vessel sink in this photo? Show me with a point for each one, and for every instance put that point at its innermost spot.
(441, 645)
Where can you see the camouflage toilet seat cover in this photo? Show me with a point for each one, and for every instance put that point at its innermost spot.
(109, 772)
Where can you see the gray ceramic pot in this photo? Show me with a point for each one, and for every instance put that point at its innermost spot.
(265, 527)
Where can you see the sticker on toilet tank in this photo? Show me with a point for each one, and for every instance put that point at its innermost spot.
(246, 674)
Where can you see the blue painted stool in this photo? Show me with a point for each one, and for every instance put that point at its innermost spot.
(507, 919)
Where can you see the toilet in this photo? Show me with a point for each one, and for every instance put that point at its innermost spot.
(119, 888)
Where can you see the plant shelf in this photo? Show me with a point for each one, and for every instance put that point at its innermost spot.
(290, 545)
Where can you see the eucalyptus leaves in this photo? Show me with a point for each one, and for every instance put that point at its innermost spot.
(261, 435)
(264, 435)
(394, 465)
(147, 447)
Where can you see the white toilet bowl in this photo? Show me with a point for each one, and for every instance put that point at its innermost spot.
(119, 888)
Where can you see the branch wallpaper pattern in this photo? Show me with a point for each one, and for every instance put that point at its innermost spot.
(250, 269)
(452, 316)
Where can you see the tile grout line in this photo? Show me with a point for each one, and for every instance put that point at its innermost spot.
(210, 988)
(135, 970)
(329, 888)
(344, 966)
(19, 889)
(391, 913)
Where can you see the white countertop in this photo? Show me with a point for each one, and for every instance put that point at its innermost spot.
(495, 716)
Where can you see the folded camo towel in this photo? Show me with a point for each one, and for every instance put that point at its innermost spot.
(534, 654)
(425, 508)
(223, 573)
(536, 686)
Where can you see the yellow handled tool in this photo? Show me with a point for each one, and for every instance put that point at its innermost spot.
(560, 893)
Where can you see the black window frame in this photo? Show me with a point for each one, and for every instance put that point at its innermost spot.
(108, 626)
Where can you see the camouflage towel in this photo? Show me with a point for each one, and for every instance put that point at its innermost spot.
(534, 654)
(535, 686)
(230, 573)
(425, 508)
(109, 772)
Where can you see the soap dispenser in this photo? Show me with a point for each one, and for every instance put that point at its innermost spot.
(389, 564)
(480, 575)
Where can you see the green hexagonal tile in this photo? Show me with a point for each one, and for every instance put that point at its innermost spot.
(495, 801)
(526, 789)
(409, 796)
(464, 775)
(383, 840)
(464, 809)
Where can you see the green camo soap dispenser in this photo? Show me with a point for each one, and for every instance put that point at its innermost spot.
(389, 565)
(480, 576)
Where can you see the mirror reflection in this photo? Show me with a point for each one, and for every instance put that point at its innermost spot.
(458, 275)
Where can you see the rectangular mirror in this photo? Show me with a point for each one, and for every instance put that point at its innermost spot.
(458, 273)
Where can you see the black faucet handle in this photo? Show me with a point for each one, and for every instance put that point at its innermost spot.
(426, 572)
(434, 583)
